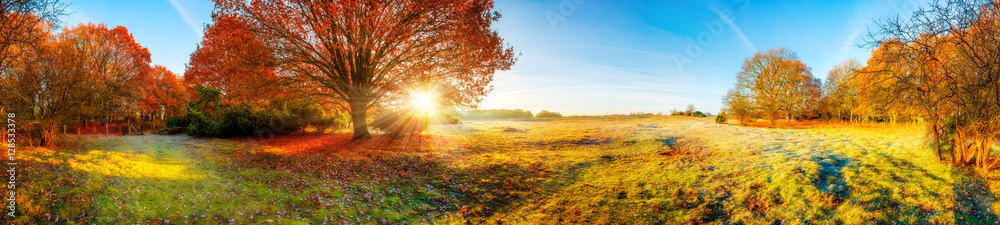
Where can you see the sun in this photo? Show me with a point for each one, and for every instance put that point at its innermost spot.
(423, 102)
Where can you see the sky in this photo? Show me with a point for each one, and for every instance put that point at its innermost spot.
(170, 29)
(591, 57)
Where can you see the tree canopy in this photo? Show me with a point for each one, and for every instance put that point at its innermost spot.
(372, 53)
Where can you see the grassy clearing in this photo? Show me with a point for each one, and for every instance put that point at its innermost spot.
(574, 170)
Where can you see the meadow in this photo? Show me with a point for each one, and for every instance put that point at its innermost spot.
(588, 170)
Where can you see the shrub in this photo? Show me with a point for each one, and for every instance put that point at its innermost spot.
(509, 113)
(448, 119)
(720, 119)
(200, 125)
(207, 101)
(239, 120)
(324, 122)
(179, 121)
(698, 114)
(547, 114)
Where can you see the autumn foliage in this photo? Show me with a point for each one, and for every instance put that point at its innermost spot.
(942, 66)
(86, 72)
(83, 73)
(235, 60)
(774, 84)
(367, 53)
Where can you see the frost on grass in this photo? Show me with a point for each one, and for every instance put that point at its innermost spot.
(667, 170)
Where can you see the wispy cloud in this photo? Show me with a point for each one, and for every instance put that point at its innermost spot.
(187, 18)
(598, 47)
(595, 87)
(729, 22)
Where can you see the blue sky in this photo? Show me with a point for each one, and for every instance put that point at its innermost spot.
(170, 29)
(587, 57)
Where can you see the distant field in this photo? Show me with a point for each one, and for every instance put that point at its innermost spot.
(600, 170)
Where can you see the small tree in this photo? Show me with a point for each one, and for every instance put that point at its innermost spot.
(738, 103)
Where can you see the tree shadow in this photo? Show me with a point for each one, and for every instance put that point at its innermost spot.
(387, 166)
(831, 177)
(973, 199)
(884, 189)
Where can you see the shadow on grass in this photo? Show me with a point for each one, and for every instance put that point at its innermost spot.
(831, 177)
(385, 167)
(972, 199)
(893, 190)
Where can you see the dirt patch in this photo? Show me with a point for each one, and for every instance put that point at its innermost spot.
(673, 146)
(589, 141)
(514, 130)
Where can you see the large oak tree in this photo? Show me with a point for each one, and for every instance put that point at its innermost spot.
(365, 53)
(774, 83)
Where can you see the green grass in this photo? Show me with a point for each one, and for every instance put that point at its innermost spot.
(618, 170)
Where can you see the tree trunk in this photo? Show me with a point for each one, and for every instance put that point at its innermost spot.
(359, 113)
(937, 141)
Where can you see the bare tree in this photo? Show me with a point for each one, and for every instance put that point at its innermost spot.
(839, 89)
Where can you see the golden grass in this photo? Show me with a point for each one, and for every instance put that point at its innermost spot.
(631, 170)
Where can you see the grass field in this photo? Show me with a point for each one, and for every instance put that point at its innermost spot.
(603, 170)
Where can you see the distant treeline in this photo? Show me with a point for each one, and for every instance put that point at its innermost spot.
(503, 113)
(509, 113)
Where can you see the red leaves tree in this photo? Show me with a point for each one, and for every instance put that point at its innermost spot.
(365, 53)
(235, 60)
(19, 23)
(110, 64)
(164, 94)
(88, 71)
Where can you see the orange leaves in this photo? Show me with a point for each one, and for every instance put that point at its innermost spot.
(232, 58)
(165, 96)
(774, 83)
(108, 63)
(360, 51)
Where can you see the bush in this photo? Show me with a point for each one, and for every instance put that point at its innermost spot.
(448, 119)
(200, 125)
(239, 120)
(698, 114)
(233, 121)
(324, 122)
(547, 114)
(720, 119)
(179, 121)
